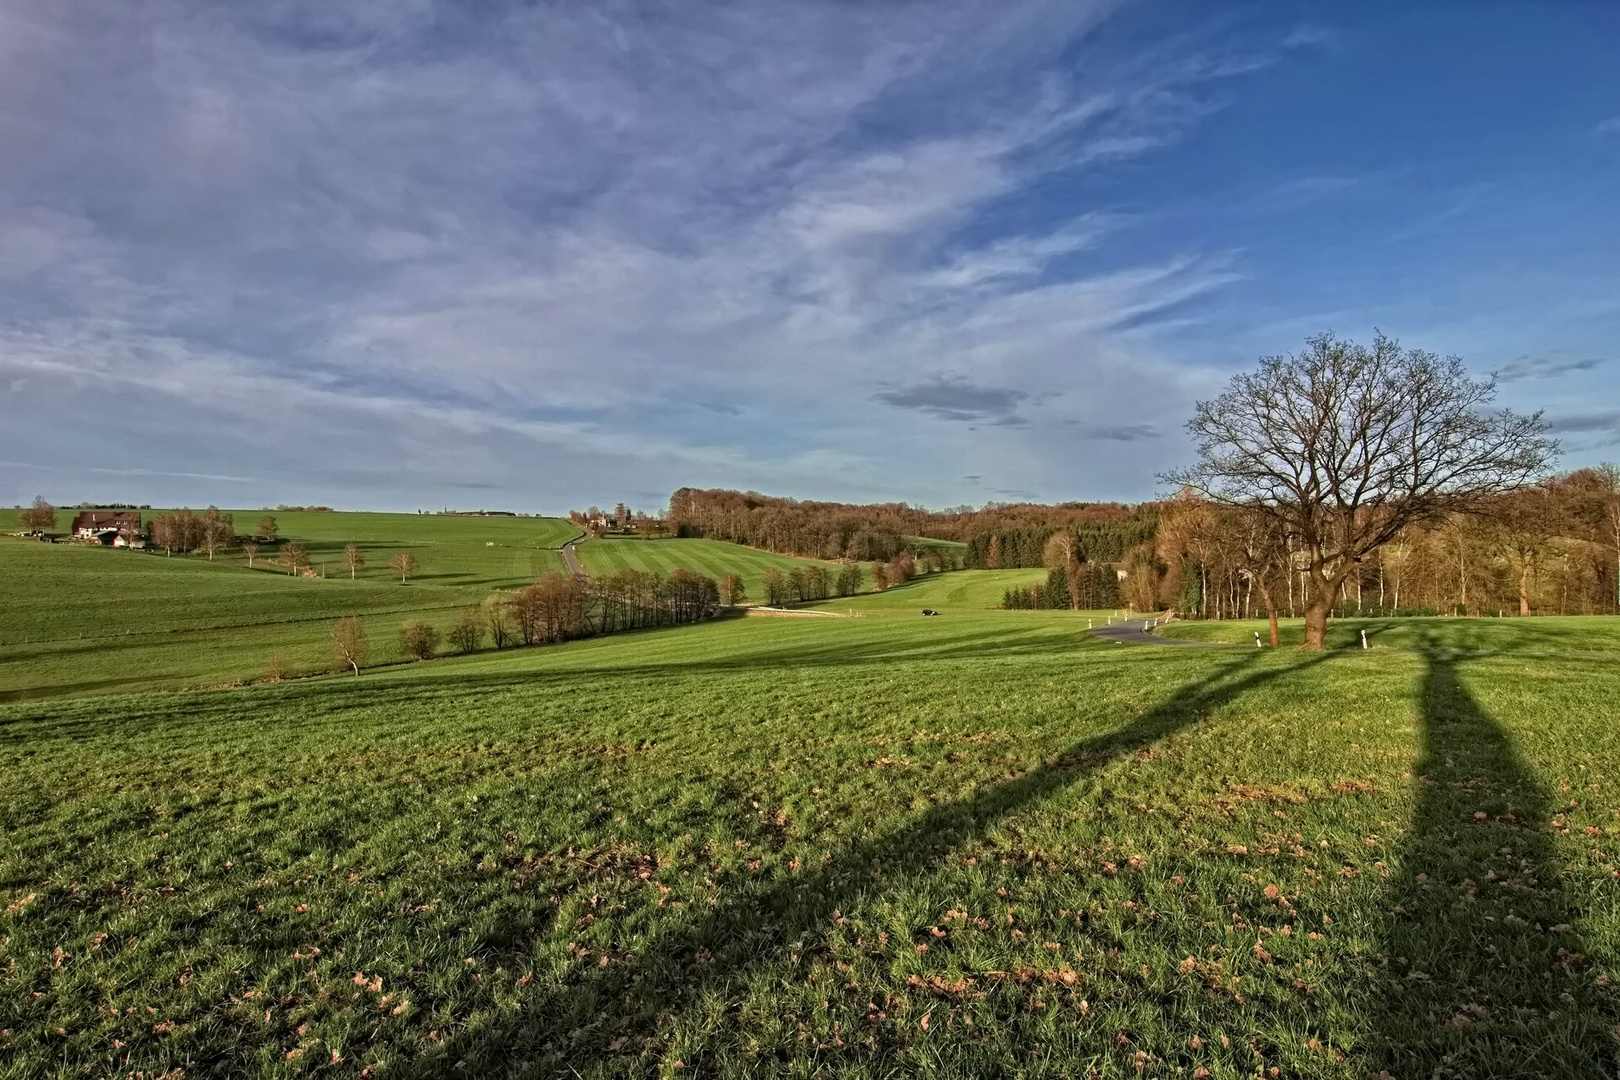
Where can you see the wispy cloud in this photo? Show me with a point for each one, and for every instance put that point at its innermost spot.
(1531, 367)
(327, 246)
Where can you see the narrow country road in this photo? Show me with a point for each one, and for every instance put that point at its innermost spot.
(573, 560)
(1130, 632)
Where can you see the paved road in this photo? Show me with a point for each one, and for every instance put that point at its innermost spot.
(573, 560)
(1131, 633)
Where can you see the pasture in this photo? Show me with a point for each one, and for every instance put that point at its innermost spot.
(81, 619)
(711, 558)
(950, 593)
(983, 844)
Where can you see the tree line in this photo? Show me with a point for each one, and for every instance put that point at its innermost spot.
(864, 533)
(553, 609)
(1549, 548)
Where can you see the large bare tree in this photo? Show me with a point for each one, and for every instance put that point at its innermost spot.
(1345, 445)
(39, 517)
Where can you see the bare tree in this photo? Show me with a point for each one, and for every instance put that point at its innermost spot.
(349, 643)
(775, 584)
(354, 560)
(250, 551)
(403, 564)
(468, 630)
(293, 557)
(1345, 446)
(731, 590)
(419, 639)
(266, 529)
(215, 531)
(495, 608)
(1263, 554)
(1525, 527)
(39, 517)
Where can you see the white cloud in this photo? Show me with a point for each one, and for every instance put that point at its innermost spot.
(373, 240)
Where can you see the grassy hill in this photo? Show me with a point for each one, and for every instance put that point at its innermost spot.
(975, 845)
(713, 558)
(80, 618)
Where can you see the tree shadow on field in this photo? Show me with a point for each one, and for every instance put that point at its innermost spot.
(1484, 970)
(706, 955)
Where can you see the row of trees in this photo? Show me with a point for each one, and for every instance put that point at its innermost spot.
(555, 608)
(827, 530)
(1102, 539)
(1550, 548)
(1075, 586)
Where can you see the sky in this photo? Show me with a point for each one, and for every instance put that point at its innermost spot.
(533, 256)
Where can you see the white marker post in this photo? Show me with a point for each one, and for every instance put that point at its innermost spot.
(1257, 640)
(1364, 644)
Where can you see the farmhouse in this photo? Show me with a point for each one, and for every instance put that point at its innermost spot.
(113, 528)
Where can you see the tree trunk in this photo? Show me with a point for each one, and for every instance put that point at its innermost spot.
(1524, 590)
(1316, 617)
(1271, 609)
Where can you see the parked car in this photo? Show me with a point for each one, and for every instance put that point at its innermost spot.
(929, 611)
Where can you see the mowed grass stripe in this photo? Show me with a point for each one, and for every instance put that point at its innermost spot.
(712, 558)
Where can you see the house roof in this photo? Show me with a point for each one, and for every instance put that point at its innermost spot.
(122, 520)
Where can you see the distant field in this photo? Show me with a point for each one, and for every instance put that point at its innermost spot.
(712, 558)
(980, 845)
(950, 592)
(78, 618)
(1563, 634)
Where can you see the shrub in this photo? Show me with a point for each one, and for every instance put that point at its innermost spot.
(419, 639)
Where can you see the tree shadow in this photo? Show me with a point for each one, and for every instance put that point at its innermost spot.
(1483, 972)
(691, 961)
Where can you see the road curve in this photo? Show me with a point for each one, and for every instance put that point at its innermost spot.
(573, 560)
(1131, 633)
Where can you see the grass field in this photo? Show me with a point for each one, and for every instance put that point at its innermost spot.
(80, 619)
(1551, 634)
(712, 558)
(949, 593)
(975, 845)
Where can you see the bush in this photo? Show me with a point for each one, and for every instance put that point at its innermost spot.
(277, 669)
(419, 639)
(468, 632)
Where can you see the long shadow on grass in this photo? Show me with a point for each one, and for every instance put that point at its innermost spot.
(1484, 973)
(597, 1011)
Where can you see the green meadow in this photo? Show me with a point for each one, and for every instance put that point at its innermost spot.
(81, 619)
(949, 593)
(982, 844)
(712, 558)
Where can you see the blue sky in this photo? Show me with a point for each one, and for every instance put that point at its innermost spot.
(534, 256)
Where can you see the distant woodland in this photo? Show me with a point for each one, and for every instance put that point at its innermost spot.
(1552, 548)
